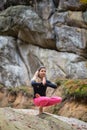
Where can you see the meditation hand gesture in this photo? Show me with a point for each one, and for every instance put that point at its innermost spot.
(44, 80)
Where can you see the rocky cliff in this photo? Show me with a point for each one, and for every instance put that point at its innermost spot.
(44, 32)
(11, 119)
(51, 33)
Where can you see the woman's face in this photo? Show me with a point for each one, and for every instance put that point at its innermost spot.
(42, 73)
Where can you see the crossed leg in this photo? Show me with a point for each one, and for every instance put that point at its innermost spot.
(42, 101)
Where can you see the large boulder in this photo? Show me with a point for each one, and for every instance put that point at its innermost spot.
(6, 3)
(58, 64)
(19, 59)
(70, 39)
(24, 23)
(27, 119)
(12, 67)
(70, 30)
(74, 5)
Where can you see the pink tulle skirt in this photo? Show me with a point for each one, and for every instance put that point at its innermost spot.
(46, 101)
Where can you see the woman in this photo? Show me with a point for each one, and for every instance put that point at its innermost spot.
(40, 84)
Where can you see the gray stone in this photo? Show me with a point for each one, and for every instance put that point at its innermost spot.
(85, 16)
(70, 39)
(12, 68)
(11, 119)
(74, 5)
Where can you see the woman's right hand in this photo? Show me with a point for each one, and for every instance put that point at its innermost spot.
(44, 80)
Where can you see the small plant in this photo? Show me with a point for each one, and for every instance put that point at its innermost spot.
(83, 1)
(24, 89)
(1, 86)
(75, 88)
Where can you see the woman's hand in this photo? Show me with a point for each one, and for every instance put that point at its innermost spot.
(37, 95)
(44, 80)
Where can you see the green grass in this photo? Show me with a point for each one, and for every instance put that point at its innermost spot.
(1, 86)
(24, 89)
(83, 1)
(77, 88)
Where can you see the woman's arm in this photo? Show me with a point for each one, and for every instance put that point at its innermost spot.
(34, 83)
(50, 84)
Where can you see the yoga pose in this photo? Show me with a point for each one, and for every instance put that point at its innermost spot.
(40, 84)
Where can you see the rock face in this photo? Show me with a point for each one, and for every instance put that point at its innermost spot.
(17, 98)
(11, 65)
(27, 119)
(51, 33)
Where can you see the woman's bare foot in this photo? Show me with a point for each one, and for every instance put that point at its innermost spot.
(40, 110)
(37, 95)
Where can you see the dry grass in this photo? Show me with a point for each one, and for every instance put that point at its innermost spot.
(77, 88)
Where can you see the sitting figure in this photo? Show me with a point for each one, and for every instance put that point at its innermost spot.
(40, 84)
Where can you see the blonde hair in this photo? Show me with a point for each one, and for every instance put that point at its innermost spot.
(36, 76)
